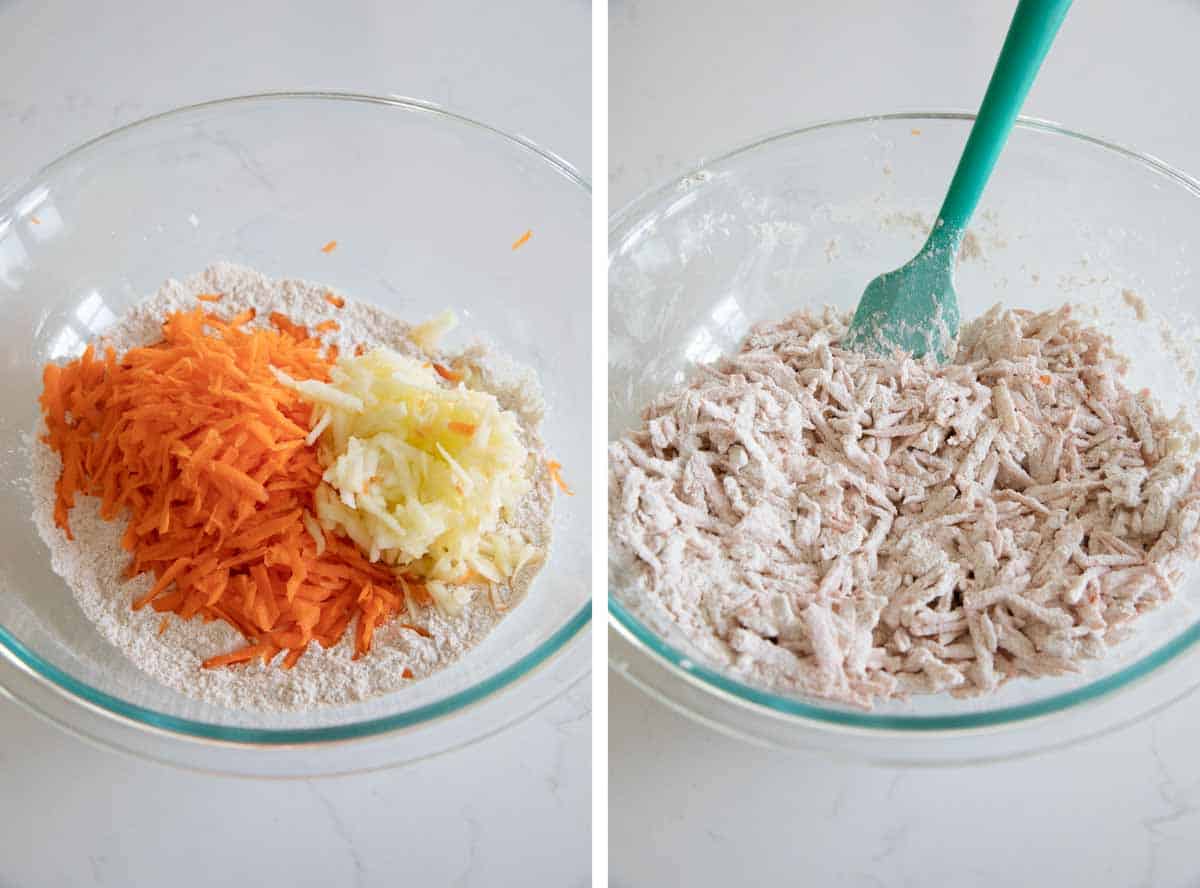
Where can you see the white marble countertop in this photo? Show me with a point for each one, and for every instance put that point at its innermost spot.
(514, 809)
(690, 807)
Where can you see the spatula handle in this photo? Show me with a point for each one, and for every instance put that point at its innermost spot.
(1034, 26)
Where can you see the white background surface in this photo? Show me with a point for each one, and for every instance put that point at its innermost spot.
(689, 807)
(688, 80)
(512, 810)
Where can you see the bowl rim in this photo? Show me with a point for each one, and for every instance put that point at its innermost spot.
(815, 713)
(150, 720)
(695, 175)
(7, 189)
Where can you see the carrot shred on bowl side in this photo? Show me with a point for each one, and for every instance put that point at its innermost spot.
(329, 247)
(522, 240)
(200, 445)
(554, 468)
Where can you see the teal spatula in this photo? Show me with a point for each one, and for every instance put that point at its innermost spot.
(914, 308)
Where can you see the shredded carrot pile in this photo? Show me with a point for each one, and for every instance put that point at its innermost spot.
(555, 468)
(204, 448)
(522, 240)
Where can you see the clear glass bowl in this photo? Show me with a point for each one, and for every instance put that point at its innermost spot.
(425, 206)
(808, 217)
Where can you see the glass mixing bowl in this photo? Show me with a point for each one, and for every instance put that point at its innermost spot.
(808, 217)
(425, 206)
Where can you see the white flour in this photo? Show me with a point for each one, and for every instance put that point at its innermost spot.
(93, 563)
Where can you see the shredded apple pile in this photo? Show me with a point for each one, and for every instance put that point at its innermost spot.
(206, 449)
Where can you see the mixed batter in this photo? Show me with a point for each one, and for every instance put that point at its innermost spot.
(856, 528)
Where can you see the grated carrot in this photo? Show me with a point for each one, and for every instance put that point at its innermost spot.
(1044, 379)
(335, 301)
(35, 220)
(199, 445)
(418, 593)
(522, 240)
(446, 373)
(284, 324)
(463, 428)
(329, 247)
(554, 468)
(327, 326)
(407, 673)
(208, 297)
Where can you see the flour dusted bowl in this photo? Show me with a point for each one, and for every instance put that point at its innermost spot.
(807, 218)
(424, 206)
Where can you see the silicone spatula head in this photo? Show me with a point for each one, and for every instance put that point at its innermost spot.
(914, 308)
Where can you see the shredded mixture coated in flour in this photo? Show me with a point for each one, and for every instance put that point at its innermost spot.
(171, 650)
(859, 528)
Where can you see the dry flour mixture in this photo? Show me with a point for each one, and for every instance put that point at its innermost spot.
(171, 650)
